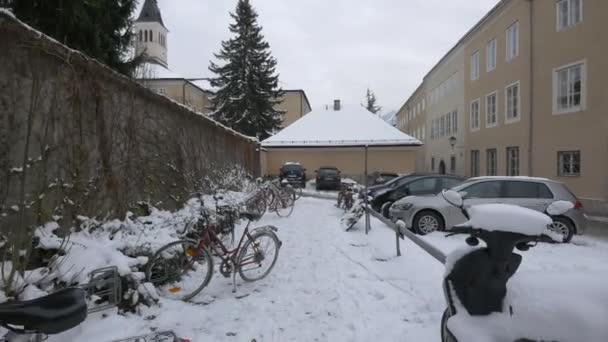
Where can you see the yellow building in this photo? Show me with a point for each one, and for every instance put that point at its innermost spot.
(529, 97)
(338, 137)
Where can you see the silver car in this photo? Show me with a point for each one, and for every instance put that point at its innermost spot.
(425, 214)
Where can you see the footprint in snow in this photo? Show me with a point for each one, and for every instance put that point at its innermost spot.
(377, 295)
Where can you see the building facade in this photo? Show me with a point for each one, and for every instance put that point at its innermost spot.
(411, 119)
(151, 41)
(531, 94)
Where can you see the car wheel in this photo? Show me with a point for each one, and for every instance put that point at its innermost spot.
(427, 222)
(384, 209)
(564, 227)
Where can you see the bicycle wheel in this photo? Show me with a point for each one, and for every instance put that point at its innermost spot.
(297, 193)
(179, 270)
(283, 204)
(258, 256)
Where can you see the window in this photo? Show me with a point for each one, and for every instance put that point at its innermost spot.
(475, 65)
(475, 115)
(150, 35)
(569, 163)
(491, 55)
(490, 189)
(423, 132)
(474, 163)
(512, 102)
(512, 161)
(518, 189)
(448, 119)
(422, 186)
(423, 104)
(419, 107)
(442, 127)
(491, 161)
(452, 166)
(569, 13)
(140, 36)
(454, 121)
(145, 35)
(568, 87)
(491, 110)
(432, 163)
(162, 91)
(513, 41)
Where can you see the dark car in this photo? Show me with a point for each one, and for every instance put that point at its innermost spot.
(418, 185)
(294, 173)
(328, 177)
(393, 183)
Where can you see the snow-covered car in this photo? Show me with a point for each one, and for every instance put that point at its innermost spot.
(425, 214)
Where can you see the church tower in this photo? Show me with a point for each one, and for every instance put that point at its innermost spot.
(151, 34)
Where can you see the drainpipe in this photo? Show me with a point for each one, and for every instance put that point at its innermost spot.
(531, 92)
(184, 92)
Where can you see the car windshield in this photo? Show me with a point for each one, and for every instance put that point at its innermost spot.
(292, 167)
(461, 186)
(328, 172)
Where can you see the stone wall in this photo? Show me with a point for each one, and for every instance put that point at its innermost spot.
(76, 138)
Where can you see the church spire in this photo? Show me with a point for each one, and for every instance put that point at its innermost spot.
(150, 12)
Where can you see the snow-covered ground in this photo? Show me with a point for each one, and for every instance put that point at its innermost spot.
(331, 285)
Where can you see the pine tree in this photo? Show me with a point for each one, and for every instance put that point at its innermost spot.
(247, 82)
(99, 28)
(371, 100)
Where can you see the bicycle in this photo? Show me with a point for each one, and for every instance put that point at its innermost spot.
(271, 196)
(345, 197)
(183, 268)
(33, 320)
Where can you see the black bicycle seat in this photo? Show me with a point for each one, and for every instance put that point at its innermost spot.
(251, 216)
(52, 314)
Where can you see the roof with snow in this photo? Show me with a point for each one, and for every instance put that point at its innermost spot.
(350, 126)
(150, 12)
(155, 71)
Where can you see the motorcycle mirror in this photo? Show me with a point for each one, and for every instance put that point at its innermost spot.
(452, 197)
(559, 208)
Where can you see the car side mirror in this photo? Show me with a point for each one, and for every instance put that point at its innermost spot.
(453, 197)
(463, 194)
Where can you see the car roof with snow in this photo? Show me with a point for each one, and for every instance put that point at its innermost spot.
(352, 125)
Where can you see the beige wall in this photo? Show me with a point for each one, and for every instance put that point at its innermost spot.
(445, 94)
(295, 105)
(348, 160)
(505, 134)
(180, 91)
(587, 130)
(411, 119)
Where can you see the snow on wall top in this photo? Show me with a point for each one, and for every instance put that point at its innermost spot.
(352, 125)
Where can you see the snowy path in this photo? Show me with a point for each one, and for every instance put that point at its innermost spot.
(328, 285)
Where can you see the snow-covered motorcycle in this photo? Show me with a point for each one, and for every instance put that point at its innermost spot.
(479, 307)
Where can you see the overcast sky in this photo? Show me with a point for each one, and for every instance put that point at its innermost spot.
(330, 48)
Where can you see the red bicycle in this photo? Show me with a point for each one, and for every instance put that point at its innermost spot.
(182, 269)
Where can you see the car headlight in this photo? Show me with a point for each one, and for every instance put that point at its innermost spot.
(402, 206)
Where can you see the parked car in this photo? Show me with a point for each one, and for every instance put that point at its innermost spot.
(294, 173)
(328, 177)
(427, 214)
(418, 185)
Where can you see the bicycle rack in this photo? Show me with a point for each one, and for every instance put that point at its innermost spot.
(165, 336)
(104, 283)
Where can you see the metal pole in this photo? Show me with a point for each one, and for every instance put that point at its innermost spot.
(367, 219)
(397, 242)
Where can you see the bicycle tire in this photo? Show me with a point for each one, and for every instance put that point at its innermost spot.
(243, 254)
(284, 205)
(171, 292)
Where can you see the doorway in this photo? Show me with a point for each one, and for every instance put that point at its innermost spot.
(442, 167)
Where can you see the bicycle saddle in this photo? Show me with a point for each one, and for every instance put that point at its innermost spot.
(251, 216)
(52, 314)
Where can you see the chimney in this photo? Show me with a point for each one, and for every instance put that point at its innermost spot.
(336, 105)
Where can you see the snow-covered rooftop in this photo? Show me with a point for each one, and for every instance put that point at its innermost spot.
(352, 125)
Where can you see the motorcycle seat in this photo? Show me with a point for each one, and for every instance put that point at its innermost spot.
(52, 314)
